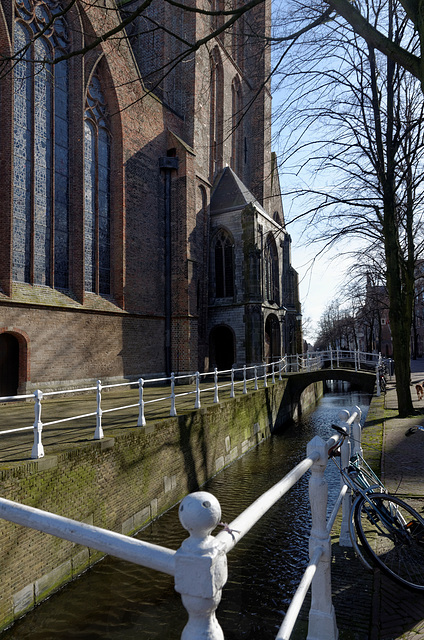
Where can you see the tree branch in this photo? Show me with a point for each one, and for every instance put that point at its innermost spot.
(375, 38)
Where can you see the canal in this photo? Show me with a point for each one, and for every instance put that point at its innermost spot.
(116, 600)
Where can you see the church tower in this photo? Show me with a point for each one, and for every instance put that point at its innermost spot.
(142, 231)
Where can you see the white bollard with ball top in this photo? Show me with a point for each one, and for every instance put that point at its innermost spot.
(200, 566)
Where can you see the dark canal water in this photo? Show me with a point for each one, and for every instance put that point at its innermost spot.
(116, 600)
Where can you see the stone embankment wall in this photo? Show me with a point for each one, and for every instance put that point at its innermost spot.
(124, 481)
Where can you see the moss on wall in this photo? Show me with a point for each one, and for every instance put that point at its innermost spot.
(123, 482)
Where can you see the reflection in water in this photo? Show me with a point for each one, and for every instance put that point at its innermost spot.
(116, 600)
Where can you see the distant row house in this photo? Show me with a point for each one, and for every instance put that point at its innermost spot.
(373, 322)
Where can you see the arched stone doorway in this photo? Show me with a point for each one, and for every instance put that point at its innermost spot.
(272, 339)
(9, 364)
(221, 348)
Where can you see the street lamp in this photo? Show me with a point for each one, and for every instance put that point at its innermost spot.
(283, 311)
(298, 333)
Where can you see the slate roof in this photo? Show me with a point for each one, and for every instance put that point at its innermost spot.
(231, 193)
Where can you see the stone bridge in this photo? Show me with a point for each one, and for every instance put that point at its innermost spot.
(298, 382)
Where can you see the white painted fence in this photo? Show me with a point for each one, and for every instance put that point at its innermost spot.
(259, 374)
(199, 566)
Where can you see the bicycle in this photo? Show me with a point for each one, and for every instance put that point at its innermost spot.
(382, 378)
(390, 532)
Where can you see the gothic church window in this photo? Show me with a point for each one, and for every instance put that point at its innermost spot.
(174, 80)
(217, 6)
(237, 35)
(217, 114)
(97, 191)
(236, 126)
(224, 265)
(272, 289)
(41, 143)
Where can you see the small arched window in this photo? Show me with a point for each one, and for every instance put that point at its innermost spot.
(97, 191)
(272, 289)
(41, 143)
(224, 265)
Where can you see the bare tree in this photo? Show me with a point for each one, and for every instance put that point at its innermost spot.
(336, 328)
(304, 17)
(371, 157)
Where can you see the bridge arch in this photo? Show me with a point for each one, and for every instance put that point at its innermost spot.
(298, 382)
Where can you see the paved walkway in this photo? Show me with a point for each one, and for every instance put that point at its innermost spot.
(372, 607)
(15, 448)
(400, 613)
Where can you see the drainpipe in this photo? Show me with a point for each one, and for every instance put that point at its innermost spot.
(168, 164)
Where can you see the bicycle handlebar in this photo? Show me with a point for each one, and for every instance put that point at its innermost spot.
(334, 450)
(341, 430)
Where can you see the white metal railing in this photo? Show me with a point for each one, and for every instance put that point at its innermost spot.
(199, 566)
(230, 378)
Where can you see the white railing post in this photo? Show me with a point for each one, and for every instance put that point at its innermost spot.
(357, 433)
(244, 380)
(216, 397)
(98, 433)
(345, 453)
(37, 449)
(322, 619)
(141, 422)
(344, 537)
(173, 411)
(279, 369)
(232, 393)
(200, 567)
(265, 380)
(331, 357)
(273, 373)
(338, 358)
(377, 376)
(256, 378)
(197, 401)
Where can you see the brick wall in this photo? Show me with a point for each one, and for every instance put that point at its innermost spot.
(122, 482)
(65, 347)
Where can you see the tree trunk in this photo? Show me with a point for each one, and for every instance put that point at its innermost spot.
(397, 262)
(400, 313)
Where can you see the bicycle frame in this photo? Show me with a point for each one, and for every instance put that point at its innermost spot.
(358, 475)
(384, 530)
(362, 481)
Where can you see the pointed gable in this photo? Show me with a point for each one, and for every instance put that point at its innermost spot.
(231, 193)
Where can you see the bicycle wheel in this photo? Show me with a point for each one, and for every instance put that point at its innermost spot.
(392, 534)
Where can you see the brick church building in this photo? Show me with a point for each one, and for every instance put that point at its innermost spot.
(141, 227)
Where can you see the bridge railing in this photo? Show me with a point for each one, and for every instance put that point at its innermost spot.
(181, 387)
(199, 566)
